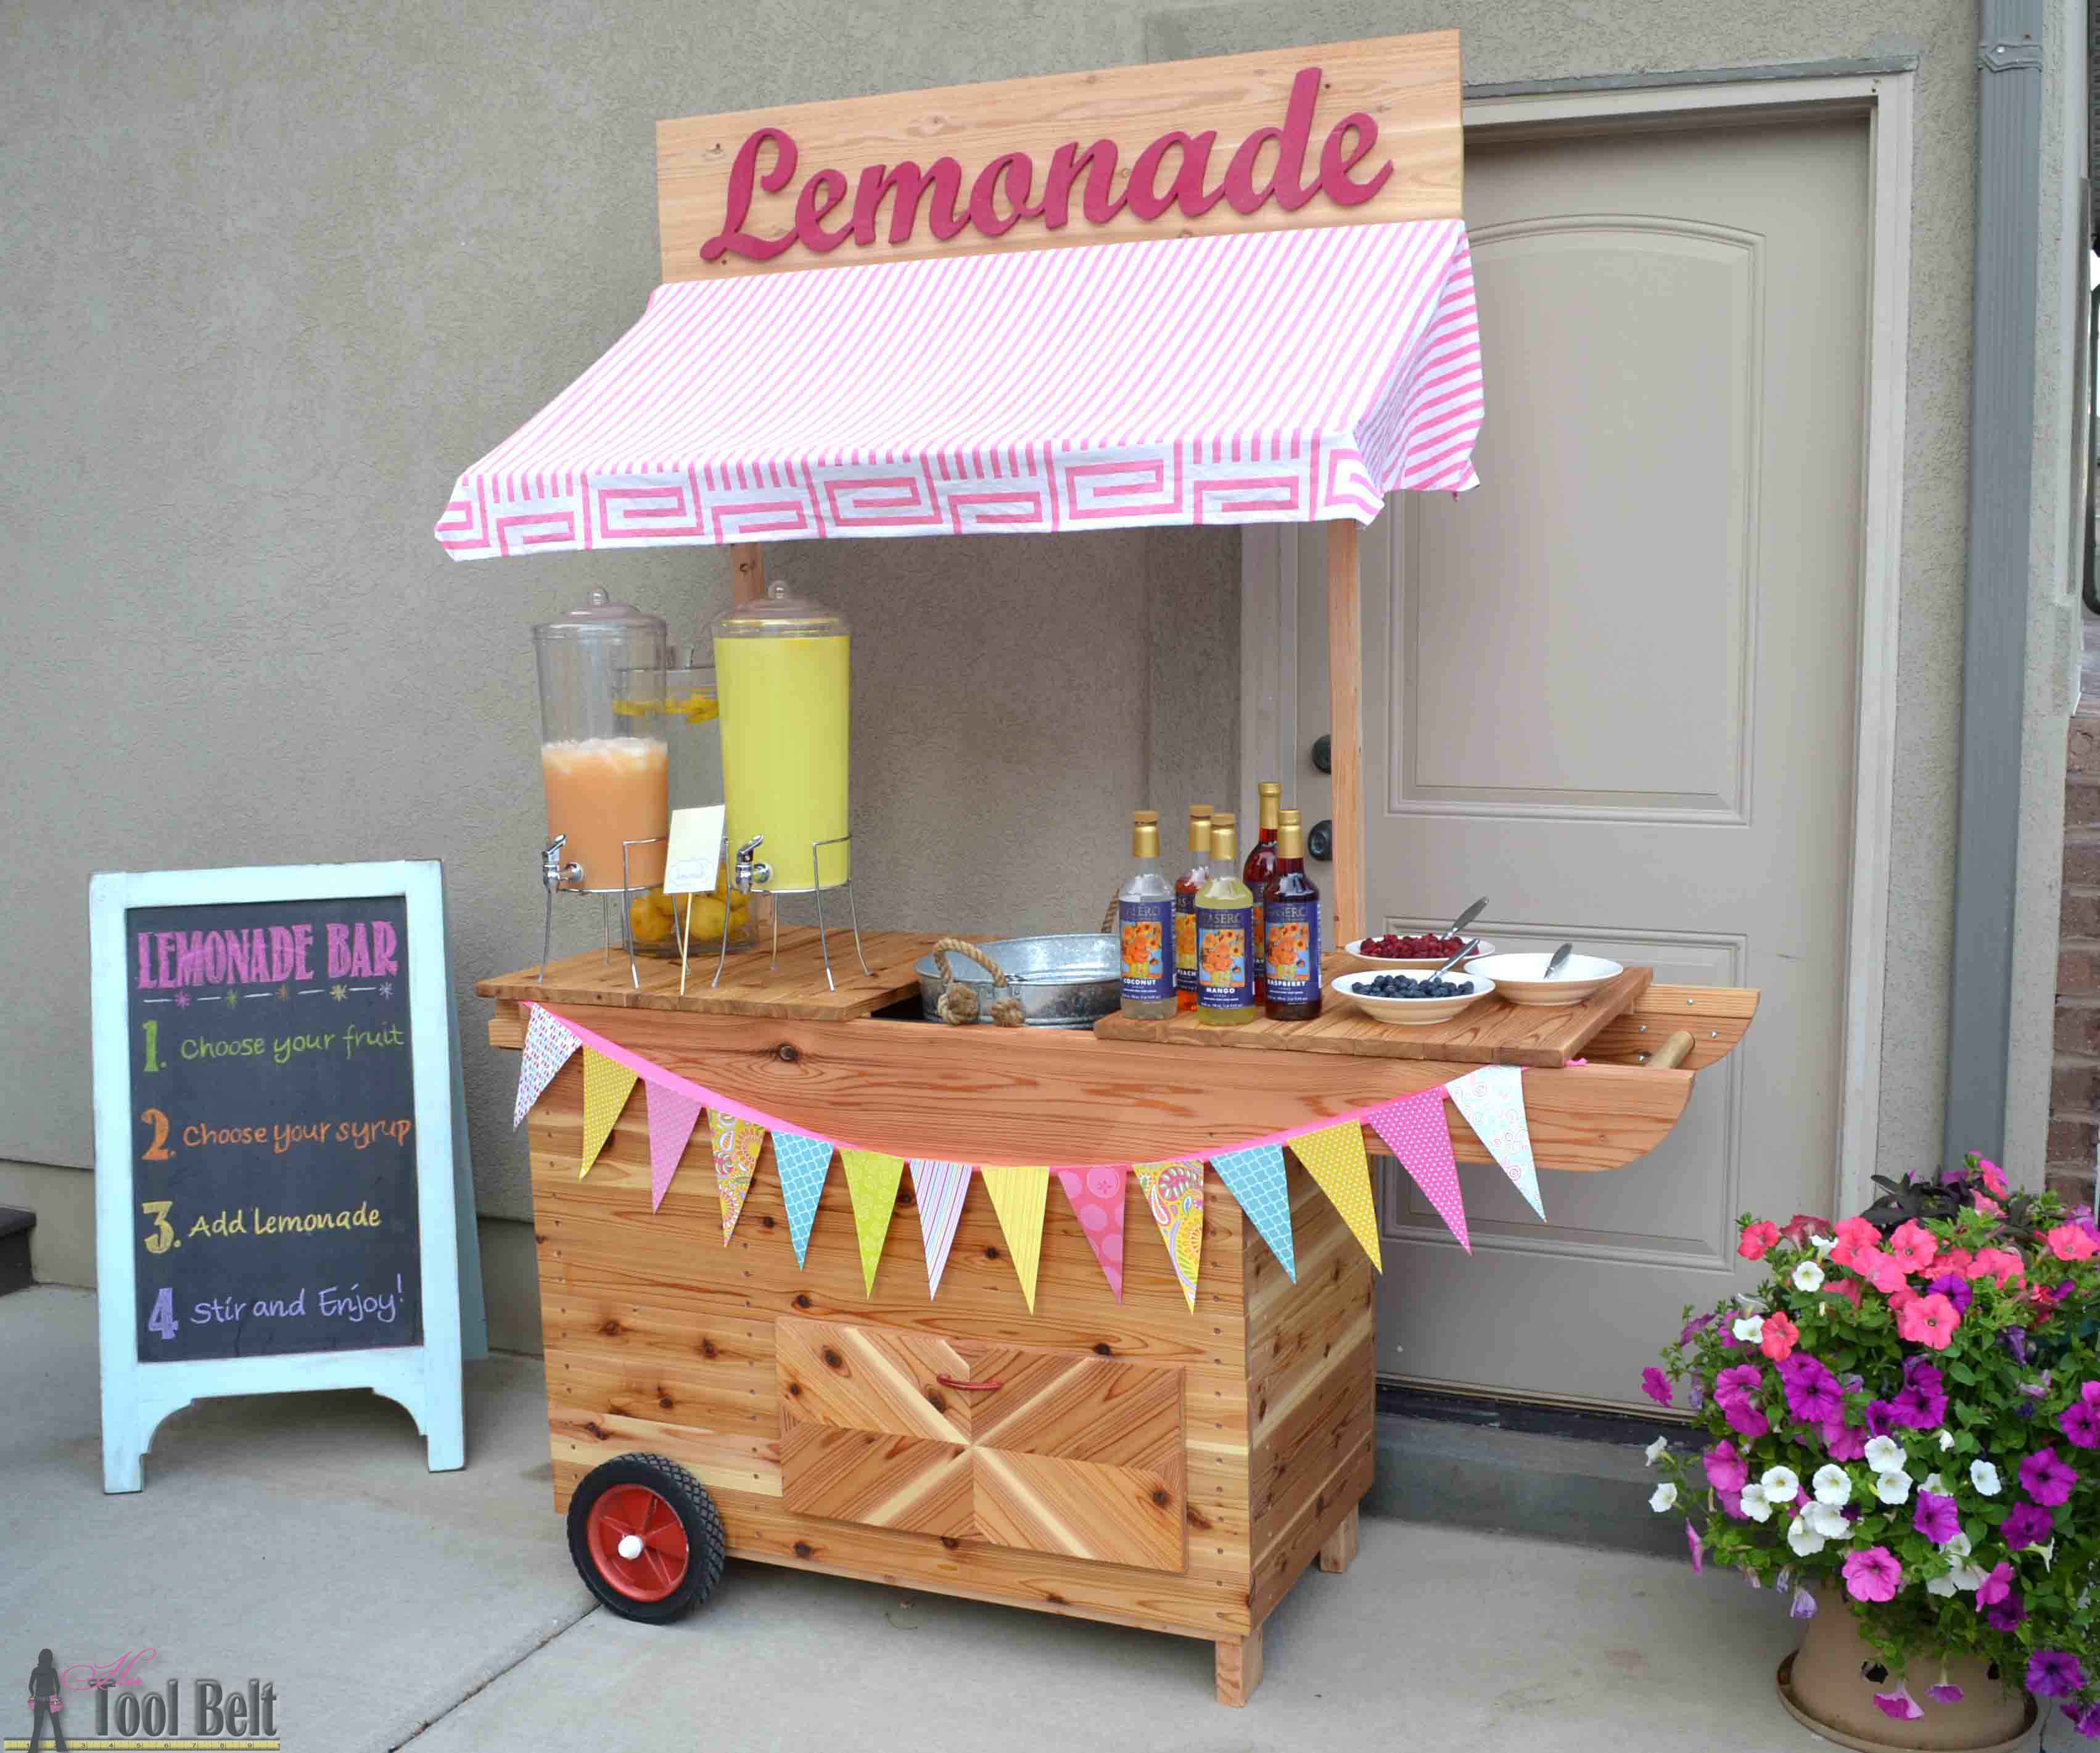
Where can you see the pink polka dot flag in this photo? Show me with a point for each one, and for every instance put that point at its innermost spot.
(1415, 1127)
(1096, 1200)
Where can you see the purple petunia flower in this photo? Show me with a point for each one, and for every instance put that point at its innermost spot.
(2014, 1339)
(2086, 1722)
(1899, 1704)
(1873, 1574)
(1921, 1405)
(2025, 1526)
(1694, 1327)
(1881, 1420)
(1811, 1391)
(2007, 1614)
(2055, 1673)
(1746, 1419)
(1726, 1470)
(2080, 1423)
(2090, 1394)
(1656, 1386)
(1695, 1393)
(1739, 1381)
(2038, 1388)
(1852, 1382)
(1996, 1586)
(1955, 1288)
(2047, 1478)
(1935, 1517)
(1802, 1606)
(1698, 1549)
(1846, 1442)
(1945, 1692)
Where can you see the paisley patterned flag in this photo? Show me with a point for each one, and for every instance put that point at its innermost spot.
(736, 1144)
(1174, 1191)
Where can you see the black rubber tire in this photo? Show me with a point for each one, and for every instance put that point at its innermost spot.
(707, 1544)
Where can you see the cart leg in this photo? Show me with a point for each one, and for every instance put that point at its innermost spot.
(1239, 1667)
(1339, 1548)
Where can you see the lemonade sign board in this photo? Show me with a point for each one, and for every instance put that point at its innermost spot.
(276, 1119)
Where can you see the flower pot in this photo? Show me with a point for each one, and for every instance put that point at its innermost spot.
(1824, 1686)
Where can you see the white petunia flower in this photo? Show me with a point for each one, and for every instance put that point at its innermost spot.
(1969, 1577)
(1958, 1546)
(1808, 1276)
(1664, 1498)
(1756, 1306)
(1805, 1541)
(1984, 1477)
(1884, 1455)
(1828, 1520)
(1833, 1485)
(2048, 1555)
(1749, 1329)
(1892, 1488)
(1945, 1441)
(1822, 1245)
(1935, 1485)
(1782, 1484)
(1756, 1505)
(1940, 1586)
(1656, 1450)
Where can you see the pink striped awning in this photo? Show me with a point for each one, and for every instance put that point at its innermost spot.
(1263, 376)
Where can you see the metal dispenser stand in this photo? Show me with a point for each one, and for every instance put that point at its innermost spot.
(751, 874)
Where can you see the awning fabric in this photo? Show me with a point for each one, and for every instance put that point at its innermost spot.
(1264, 377)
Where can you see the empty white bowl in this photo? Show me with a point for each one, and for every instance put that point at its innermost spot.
(1520, 976)
(1410, 1011)
(1410, 963)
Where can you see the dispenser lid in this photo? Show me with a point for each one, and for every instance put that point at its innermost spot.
(600, 617)
(778, 615)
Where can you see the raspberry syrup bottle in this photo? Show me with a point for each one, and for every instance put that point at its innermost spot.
(1291, 911)
(1185, 889)
(1260, 868)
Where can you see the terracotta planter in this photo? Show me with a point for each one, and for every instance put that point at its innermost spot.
(1822, 1685)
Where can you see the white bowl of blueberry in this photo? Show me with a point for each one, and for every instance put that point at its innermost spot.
(1411, 999)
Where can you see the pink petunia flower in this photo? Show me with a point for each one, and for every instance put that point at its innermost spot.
(1854, 1233)
(1989, 1206)
(1846, 1442)
(1797, 1228)
(1759, 1240)
(1994, 1177)
(1914, 1247)
(1873, 1574)
(1996, 1586)
(1656, 1386)
(1899, 1704)
(1901, 1297)
(1851, 1289)
(2001, 1263)
(1881, 1270)
(1945, 1692)
(1726, 1469)
(1698, 1548)
(1780, 1336)
(2067, 1242)
(1930, 1321)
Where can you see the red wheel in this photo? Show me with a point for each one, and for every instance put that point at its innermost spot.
(646, 1537)
(637, 1542)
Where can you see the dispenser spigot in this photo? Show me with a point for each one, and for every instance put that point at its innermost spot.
(751, 872)
(553, 871)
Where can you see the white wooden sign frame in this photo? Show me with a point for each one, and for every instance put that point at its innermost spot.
(425, 1379)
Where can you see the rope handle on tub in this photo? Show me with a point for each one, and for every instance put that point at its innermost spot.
(958, 1003)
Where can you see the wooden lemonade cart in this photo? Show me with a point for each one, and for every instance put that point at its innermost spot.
(1155, 1447)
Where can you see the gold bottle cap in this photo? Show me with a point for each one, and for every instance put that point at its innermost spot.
(1290, 836)
(1224, 837)
(1271, 800)
(1199, 827)
(1145, 833)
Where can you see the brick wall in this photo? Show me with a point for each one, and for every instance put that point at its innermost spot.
(2074, 1104)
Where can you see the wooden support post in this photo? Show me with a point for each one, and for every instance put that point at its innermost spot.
(1239, 1667)
(1345, 667)
(747, 579)
(1339, 1549)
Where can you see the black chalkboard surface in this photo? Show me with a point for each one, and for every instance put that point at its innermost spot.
(274, 1099)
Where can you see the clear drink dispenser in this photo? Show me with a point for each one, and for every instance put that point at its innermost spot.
(603, 756)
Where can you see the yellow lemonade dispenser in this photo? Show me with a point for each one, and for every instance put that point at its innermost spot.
(783, 668)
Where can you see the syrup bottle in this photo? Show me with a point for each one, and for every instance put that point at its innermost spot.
(1225, 934)
(1291, 914)
(1145, 926)
(1185, 905)
(1260, 868)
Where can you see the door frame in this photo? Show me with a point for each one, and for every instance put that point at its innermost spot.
(1271, 737)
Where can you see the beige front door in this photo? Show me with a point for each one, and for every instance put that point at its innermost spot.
(1613, 690)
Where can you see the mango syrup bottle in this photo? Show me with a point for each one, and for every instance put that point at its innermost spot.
(1145, 926)
(1260, 868)
(1185, 888)
(1291, 918)
(1225, 934)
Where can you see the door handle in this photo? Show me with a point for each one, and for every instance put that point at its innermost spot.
(949, 1381)
(1319, 841)
(1323, 753)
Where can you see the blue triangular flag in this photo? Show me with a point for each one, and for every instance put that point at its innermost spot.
(803, 1163)
(1255, 1178)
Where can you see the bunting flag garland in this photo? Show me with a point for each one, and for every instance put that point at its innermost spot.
(607, 1084)
(672, 1115)
(1492, 1100)
(937, 1189)
(1018, 1196)
(1174, 1191)
(548, 1045)
(736, 1144)
(1415, 1127)
(871, 1180)
(1097, 1196)
(1335, 1158)
(1255, 1178)
(803, 1162)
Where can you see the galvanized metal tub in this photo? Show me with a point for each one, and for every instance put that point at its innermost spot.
(1066, 982)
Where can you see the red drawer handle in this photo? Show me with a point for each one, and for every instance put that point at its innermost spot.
(949, 1381)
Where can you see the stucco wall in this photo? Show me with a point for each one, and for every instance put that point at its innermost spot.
(275, 272)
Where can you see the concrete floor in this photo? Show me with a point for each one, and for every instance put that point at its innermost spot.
(300, 1540)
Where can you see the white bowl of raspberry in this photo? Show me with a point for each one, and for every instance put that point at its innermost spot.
(1411, 953)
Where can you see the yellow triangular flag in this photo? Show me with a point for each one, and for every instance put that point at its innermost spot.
(1174, 1190)
(1018, 1196)
(871, 1178)
(607, 1084)
(1335, 1158)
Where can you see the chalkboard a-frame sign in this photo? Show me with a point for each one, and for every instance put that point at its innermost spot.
(275, 1118)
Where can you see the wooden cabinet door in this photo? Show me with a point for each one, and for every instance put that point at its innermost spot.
(1046, 1451)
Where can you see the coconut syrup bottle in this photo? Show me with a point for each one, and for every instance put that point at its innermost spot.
(1145, 926)
(1185, 889)
(1290, 916)
(1225, 934)
(1260, 868)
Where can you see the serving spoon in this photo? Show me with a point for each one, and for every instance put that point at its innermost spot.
(1457, 926)
(1560, 960)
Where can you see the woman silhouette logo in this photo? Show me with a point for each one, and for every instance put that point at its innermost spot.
(46, 1702)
